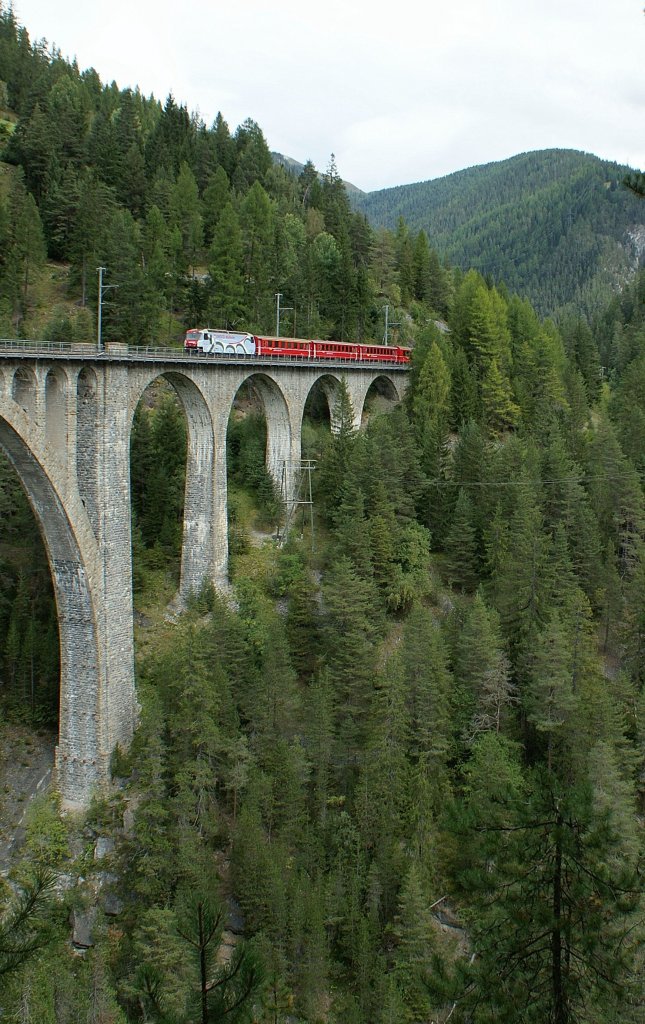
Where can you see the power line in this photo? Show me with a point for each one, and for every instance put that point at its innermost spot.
(537, 481)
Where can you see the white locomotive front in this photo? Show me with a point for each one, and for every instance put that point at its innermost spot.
(223, 343)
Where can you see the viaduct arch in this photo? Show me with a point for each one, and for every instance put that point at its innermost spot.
(66, 418)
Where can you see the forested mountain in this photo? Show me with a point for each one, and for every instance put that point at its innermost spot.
(557, 226)
(392, 777)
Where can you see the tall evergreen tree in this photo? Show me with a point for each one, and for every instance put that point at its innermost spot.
(225, 268)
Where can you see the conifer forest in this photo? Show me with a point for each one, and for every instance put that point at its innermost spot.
(397, 775)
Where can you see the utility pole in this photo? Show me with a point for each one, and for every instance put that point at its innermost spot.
(278, 296)
(99, 343)
(285, 309)
(99, 319)
(386, 340)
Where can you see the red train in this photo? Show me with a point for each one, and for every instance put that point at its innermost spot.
(230, 343)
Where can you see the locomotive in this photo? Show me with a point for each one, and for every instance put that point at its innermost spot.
(204, 340)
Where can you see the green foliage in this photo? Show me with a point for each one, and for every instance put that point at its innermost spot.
(246, 442)
(158, 470)
(28, 629)
(24, 926)
(225, 267)
(556, 931)
(46, 833)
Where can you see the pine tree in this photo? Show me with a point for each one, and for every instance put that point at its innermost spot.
(256, 222)
(464, 395)
(225, 268)
(384, 788)
(382, 538)
(352, 533)
(335, 203)
(302, 624)
(431, 397)
(520, 568)
(26, 251)
(131, 313)
(428, 687)
(404, 260)
(216, 196)
(416, 945)
(223, 991)
(350, 628)
(25, 929)
(158, 979)
(556, 934)
(421, 264)
(319, 734)
(483, 694)
(253, 158)
(551, 700)
(499, 409)
(94, 208)
(338, 457)
(616, 494)
(185, 214)
(632, 629)
(461, 544)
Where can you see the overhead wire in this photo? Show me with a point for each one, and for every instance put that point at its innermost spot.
(523, 482)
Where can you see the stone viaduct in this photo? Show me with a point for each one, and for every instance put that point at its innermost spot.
(66, 416)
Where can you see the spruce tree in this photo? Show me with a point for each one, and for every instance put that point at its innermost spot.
(556, 931)
(499, 409)
(428, 683)
(461, 545)
(225, 268)
(416, 945)
(351, 622)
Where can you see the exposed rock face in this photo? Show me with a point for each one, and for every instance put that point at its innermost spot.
(112, 904)
(103, 848)
(82, 922)
(636, 238)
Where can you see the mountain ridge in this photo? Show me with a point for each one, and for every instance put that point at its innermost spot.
(555, 225)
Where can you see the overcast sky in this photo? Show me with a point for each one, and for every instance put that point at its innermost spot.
(400, 91)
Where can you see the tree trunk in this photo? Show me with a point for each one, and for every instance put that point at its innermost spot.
(560, 1012)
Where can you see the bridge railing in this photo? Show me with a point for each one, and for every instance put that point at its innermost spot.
(23, 344)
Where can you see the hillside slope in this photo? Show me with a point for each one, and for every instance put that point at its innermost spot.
(556, 225)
